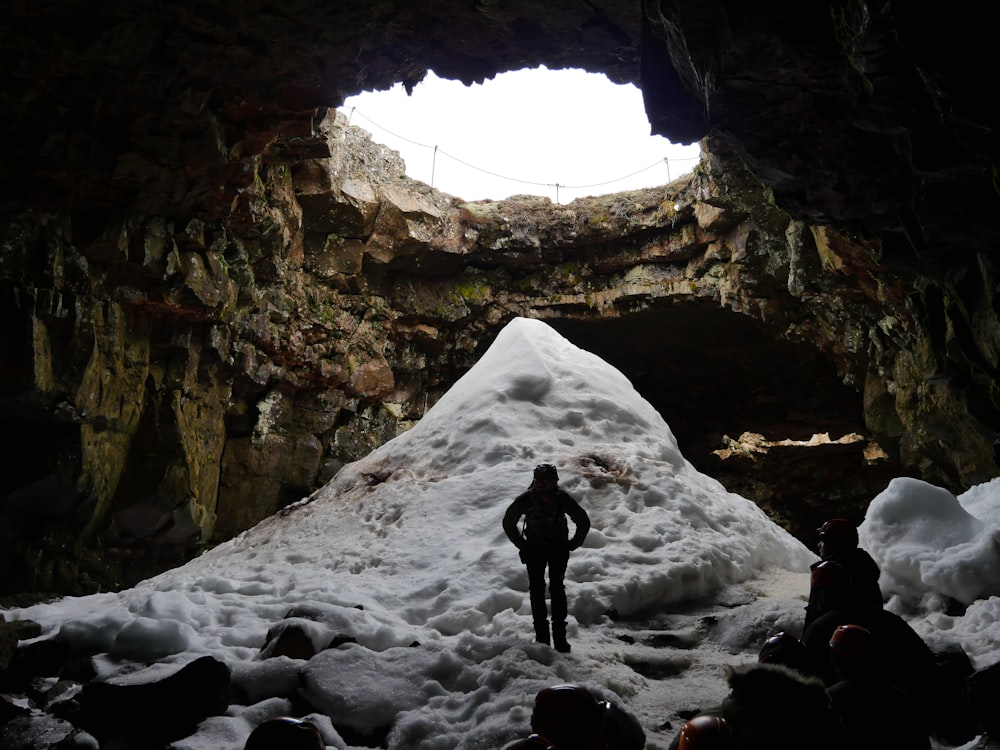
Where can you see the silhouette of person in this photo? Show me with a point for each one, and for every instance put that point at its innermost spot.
(544, 542)
(566, 717)
(901, 655)
(838, 542)
(769, 707)
(789, 673)
(873, 712)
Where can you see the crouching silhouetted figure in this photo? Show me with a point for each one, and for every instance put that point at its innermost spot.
(773, 707)
(569, 717)
(874, 713)
(566, 717)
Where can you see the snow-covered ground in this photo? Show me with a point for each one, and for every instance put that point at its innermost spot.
(677, 579)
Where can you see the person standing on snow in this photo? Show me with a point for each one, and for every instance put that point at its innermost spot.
(544, 541)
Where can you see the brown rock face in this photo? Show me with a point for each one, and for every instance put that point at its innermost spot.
(215, 292)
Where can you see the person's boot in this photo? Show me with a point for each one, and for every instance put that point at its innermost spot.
(559, 642)
(542, 632)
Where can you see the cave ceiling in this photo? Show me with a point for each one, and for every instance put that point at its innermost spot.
(861, 115)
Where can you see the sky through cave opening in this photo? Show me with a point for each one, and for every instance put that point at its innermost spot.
(560, 134)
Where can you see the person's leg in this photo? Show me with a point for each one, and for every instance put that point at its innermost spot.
(558, 560)
(536, 562)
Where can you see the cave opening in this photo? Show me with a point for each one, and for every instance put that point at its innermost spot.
(747, 407)
(561, 133)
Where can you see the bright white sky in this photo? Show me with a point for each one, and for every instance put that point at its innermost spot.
(534, 128)
(406, 546)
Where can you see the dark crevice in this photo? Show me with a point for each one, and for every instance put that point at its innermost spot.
(714, 374)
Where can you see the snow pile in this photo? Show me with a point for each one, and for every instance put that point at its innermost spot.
(404, 555)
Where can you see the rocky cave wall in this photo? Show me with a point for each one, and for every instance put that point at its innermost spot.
(216, 293)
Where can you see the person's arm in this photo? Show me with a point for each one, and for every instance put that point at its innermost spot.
(579, 517)
(510, 520)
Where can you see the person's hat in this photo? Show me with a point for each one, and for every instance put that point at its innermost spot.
(563, 710)
(706, 733)
(852, 641)
(839, 532)
(785, 649)
(285, 733)
(546, 471)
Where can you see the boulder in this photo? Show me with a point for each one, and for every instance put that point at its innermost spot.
(156, 712)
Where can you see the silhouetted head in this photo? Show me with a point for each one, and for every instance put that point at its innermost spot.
(785, 649)
(852, 650)
(570, 716)
(836, 536)
(285, 733)
(546, 477)
(852, 642)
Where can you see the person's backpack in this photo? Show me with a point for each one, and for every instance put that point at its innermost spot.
(546, 525)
